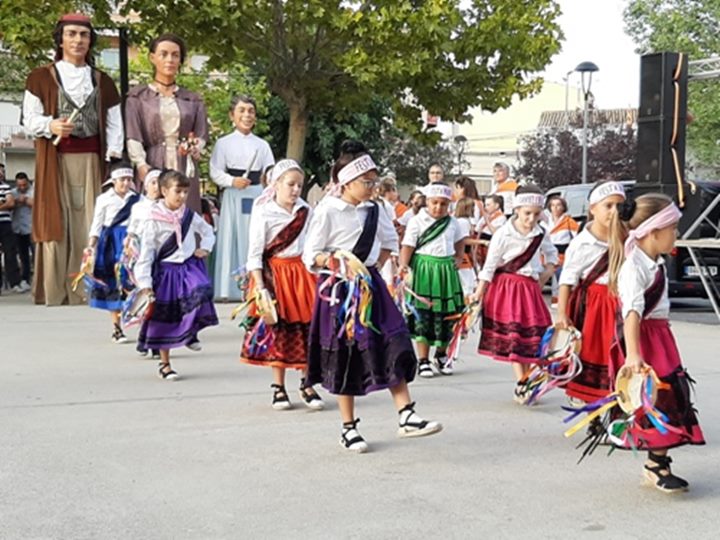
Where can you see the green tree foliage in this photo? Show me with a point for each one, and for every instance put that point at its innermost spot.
(691, 27)
(441, 55)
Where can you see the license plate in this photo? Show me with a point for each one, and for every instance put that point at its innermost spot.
(692, 271)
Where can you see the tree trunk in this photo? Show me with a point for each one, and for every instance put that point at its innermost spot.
(297, 131)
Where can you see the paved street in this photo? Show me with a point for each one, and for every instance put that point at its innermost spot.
(94, 446)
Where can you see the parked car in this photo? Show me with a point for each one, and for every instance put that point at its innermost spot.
(683, 276)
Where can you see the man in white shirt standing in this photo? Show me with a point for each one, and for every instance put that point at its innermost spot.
(73, 110)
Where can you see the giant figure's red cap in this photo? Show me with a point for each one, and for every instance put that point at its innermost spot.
(76, 18)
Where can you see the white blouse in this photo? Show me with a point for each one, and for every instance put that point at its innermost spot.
(443, 245)
(406, 217)
(563, 236)
(581, 256)
(498, 221)
(77, 82)
(337, 224)
(107, 205)
(236, 151)
(140, 214)
(507, 243)
(266, 221)
(636, 275)
(153, 237)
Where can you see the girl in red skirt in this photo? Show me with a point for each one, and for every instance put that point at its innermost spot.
(585, 302)
(637, 274)
(278, 226)
(515, 316)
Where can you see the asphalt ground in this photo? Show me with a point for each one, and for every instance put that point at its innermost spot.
(94, 446)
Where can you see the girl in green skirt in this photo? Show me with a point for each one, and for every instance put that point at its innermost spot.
(432, 248)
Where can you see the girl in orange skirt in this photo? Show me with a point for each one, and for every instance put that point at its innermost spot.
(278, 226)
(585, 301)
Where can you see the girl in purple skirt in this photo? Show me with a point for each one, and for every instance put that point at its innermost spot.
(378, 354)
(172, 267)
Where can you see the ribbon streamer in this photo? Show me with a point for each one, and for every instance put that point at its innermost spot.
(616, 419)
(85, 274)
(467, 321)
(555, 367)
(354, 314)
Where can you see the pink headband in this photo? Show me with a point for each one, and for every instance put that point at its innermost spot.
(664, 218)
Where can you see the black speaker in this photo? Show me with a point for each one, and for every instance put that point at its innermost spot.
(662, 118)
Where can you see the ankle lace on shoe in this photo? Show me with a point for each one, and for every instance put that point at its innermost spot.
(412, 425)
(425, 368)
(167, 373)
(280, 399)
(350, 438)
(310, 397)
(669, 483)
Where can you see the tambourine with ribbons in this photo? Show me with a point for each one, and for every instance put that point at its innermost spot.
(402, 293)
(128, 260)
(85, 275)
(344, 269)
(138, 307)
(259, 334)
(616, 417)
(465, 322)
(558, 362)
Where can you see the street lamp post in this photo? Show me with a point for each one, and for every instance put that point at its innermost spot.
(460, 142)
(586, 69)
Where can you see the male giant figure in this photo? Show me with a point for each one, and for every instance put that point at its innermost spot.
(70, 155)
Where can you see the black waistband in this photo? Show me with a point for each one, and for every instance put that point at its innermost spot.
(253, 176)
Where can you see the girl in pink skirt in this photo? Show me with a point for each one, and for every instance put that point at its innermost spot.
(515, 316)
(637, 275)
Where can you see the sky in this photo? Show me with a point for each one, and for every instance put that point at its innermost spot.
(594, 31)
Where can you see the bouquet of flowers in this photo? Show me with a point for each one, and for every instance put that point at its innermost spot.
(190, 146)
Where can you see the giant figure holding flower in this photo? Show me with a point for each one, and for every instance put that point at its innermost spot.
(166, 124)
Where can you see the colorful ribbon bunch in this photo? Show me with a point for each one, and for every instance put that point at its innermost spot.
(128, 260)
(558, 364)
(616, 417)
(259, 335)
(242, 280)
(138, 307)
(355, 311)
(259, 338)
(466, 321)
(85, 274)
(402, 294)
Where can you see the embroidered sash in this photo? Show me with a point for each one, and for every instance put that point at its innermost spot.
(108, 246)
(124, 213)
(654, 293)
(521, 260)
(433, 231)
(364, 244)
(170, 245)
(282, 240)
(577, 302)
